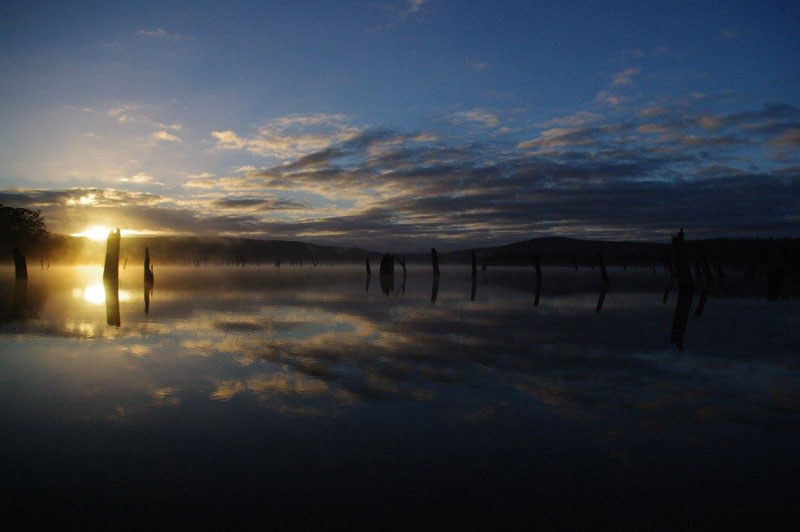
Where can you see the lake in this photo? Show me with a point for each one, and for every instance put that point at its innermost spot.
(235, 396)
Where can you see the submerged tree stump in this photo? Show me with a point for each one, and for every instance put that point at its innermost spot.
(537, 264)
(148, 267)
(474, 264)
(369, 270)
(111, 268)
(20, 265)
(603, 272)
(435, 261)
(682, 270)
(387, 264)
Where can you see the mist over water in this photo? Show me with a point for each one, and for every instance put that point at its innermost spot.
(310, 393)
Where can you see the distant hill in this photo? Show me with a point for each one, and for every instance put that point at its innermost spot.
(198, 250)
(572, 251)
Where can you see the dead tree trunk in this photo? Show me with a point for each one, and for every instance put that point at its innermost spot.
(20, 266)
(708, 278)
(684, 274)
(402, 263)
(369, 270)
(435, 261)
(148, 267)
(387, 265)
(111, 268)
(537, 264)
(603, 272)
(474, 264)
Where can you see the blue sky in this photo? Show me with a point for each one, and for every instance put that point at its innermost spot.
(404, 123)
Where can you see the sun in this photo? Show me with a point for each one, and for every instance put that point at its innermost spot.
(94, 232)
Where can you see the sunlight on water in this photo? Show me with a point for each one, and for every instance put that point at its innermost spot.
(95, 293)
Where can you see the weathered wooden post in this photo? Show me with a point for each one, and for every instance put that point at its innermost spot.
(435, 261)
(684, 274)
(474, 263)
(538, 266)
(387, 274)
(111, 268)
(387, 265)
(20, 265)
(148, 267)
(402, 263)
(474, 274)
(680, 316)
(668, 263)
(602, 298)
(474, 287)
(603, 272)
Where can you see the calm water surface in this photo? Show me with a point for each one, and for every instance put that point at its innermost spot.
(264, 394)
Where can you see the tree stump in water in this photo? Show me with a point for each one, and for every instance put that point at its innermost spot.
(20, 265)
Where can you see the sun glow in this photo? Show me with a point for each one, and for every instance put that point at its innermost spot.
(100, 233)
(94, 232)
(95, 293)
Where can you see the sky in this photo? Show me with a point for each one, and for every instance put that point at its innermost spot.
(403, 124)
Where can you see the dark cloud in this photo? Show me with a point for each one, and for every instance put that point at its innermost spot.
(382, 189)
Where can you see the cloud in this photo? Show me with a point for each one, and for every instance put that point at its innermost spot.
(653, 112)
(608, 98)
(623, 77)
(790, 139)
(401, 13)
(472, 116)
(628, 176)
(156, 32)
(139, 178)
(120, 112)
(164, 136)
(478, 65)
(581, 118)
(289, 136)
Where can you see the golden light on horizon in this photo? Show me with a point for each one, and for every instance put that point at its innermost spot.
(100, 233)
(94, 232)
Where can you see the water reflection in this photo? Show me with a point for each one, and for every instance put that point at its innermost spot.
(601, 299)
(111, 288)
(680, 317)
(149, 284)
(242, 368)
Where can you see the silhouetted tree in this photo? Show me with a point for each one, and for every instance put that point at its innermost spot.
(20, 228)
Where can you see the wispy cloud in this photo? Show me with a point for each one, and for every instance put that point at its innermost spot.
(155, 32)
(477, 65)
(289, 136)
(474, 116)
(623, 77)
(401, 13)
(164, 136)
(609, 98)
